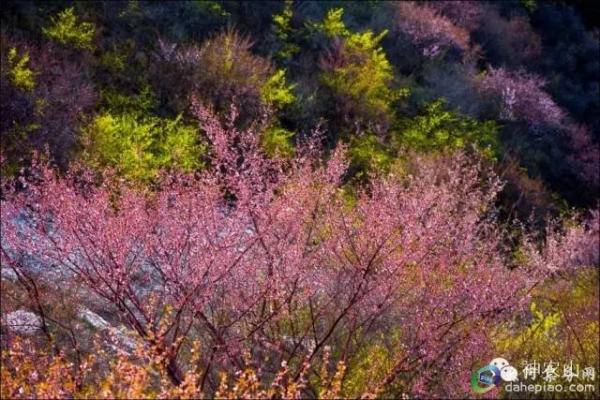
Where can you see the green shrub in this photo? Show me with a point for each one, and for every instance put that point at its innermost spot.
(275, 141)
(213, 8)
(561, 327)
(529, 5)
(276, 91)
(368, 153)
(138, 146)
(19, 74)
(437, 128)
(282, 31)
(332, 24)
(143, 102)
(367, 75)
(373, 362)
(222, 71)
(114, 61)
(68, 31)
(357, 73)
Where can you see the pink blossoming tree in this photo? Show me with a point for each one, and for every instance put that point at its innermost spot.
(521, 96)
(430, 29)
(265, 259)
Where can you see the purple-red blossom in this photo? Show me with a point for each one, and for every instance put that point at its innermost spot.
(571, 247)
(586, 154)
(429, 29)
(521, 96)
(253, 244)
(465, 14)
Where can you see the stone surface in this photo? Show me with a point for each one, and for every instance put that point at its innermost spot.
(22, 321)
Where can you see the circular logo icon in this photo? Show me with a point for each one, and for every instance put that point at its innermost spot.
(485, 379)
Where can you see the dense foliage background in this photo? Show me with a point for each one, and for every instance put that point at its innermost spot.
(395, 164)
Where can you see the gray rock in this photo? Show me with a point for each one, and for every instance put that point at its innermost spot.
(23, 321)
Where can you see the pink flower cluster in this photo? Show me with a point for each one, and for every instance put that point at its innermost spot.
(521, 96)
(277, 257)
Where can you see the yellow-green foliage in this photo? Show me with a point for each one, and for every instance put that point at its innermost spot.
(19, 74)
(370, 366)
(138, 146)
(179, 146)
(276, 91)
(212, 7)
(18, 143)
(438, 129)
(227, 69)
(67, 30)
(114, 61)
(282, 21)
(282, 30)
(117, 102)
(529, 5)
(368, 153)
(128, 137)
(332, 24)
(365, 77)
(563, 327)
(275, 141)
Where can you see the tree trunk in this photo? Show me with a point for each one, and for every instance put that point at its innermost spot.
(174, 372)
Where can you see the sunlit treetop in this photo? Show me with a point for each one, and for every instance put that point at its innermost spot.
(18, 71)
(439, 128)
(358, 72)
(67, 30)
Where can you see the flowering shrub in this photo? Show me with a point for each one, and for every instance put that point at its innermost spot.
(28, 372)
(429, 29)
(586, 156)
(509, 42)
(521, 96)
(468, 15)
(265, 254)
(44, 94)
(235, 199)
(223, 71)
